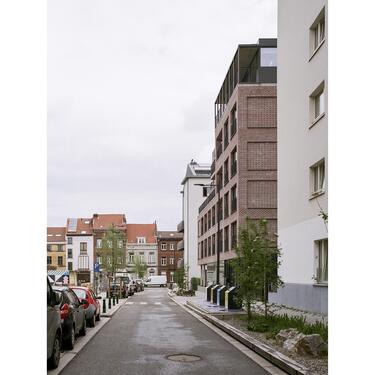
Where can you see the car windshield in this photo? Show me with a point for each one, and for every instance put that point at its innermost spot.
(80, 293)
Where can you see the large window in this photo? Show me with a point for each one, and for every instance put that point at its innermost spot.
(233, 198)
(317, 32)
(226, 135)
(163, 261)
(171, 261)
(70, 253)
(268, 57)
(233, 228)
(317, 173)
(151, 258)
(322, 261)
(233, 121)
(131, 258)
(83, 248)
(233, 162)
(226, 205)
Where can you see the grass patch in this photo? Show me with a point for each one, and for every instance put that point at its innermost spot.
(272, 324)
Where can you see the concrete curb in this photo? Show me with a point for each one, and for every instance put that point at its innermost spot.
(278, 359)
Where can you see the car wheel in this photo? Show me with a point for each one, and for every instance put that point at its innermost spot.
(69, 342)
(53, 362)
(92, 321)
(83, 330)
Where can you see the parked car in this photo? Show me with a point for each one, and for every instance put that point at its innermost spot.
(140, 285)
(54, 330)
(92, 305)
(156, 281)
(72, 315)
(127, 281)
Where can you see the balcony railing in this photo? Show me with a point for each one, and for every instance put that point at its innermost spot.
(180, 226)
(206, 201)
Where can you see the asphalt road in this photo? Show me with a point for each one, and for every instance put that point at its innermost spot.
(147, 329)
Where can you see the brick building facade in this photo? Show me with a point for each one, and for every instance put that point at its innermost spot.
(168, 253)
(244, 168)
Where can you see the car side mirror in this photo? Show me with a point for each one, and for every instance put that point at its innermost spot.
(98, 297)
(84, 302)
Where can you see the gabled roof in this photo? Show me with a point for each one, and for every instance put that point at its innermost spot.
(56, 234)
(170, 235)
(142, 230)
(104, 221)
(79, 226)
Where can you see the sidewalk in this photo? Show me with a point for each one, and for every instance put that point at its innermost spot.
(113, 309)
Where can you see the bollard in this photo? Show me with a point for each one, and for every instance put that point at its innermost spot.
(106, 293)
(109, 304)
(117, 299)
(104, 307)
(114, 301)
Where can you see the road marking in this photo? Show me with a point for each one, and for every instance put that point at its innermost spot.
(129, 303)
(143, 303)
(157, 303)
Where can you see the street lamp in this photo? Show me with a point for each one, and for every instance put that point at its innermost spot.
(218, 229)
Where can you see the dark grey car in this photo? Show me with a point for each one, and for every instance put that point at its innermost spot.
(54, 330)
(73, 316)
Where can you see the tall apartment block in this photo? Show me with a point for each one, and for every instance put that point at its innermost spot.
(244, 168)
(192, 198)
(302, 154)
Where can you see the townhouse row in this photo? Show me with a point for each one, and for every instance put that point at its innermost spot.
(73, 251)
(269, 162)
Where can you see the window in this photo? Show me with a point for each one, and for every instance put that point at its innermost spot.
(233, 198)
(141, 239)
(233, 121)
(171, 246)
(209, 219)
(70, 266)
(163, 261)
(209, 246)
(120, 244)
(171, 261)
(70, 253)
(48, 247)
(226, 205)
(60, 247)
(317, 104)
(226, 171)
(233, 234)
(151, 258)
(317, 173)
(226, 135)
(49, 260)
(164, 246)
(131, 258)
(268, 57)
(172, 277)
(99, 259)
(142, 257)
(98, 243)
(220, 209)
(322, 261)
(233, 162)
(83, 248)
(226, 238)
(70, 240)
(213, 216)
(219, 179)
(220, 241)
(317, 32)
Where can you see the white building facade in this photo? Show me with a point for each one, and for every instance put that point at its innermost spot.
(193, 197)
(303, 154)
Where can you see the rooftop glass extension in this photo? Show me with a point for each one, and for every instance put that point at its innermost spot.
(252, 63)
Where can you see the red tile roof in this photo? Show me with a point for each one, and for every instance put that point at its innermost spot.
(141, 230)
(56, 234)
(84, 226)
(104, 221)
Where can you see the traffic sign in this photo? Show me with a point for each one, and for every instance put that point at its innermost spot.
(96, 267)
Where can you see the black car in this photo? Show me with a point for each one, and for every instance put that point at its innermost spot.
(72, 314)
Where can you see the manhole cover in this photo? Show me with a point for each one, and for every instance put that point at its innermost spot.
(184, 358)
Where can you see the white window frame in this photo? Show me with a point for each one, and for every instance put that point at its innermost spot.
(317, 33)
(318, 176)
(151, 258)
(321, 261)
(171, 261)
(131, 258)
(164, 246)
(317, 104)
(163, 261)
(141, 239)
(171, 246)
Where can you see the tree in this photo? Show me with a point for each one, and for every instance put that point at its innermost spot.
(256, 264)
(112, 251)
(180, 276)
(139, 267)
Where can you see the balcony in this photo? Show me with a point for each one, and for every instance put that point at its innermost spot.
(180, 245)
(206, 201)
(180, 227)
(219, 150)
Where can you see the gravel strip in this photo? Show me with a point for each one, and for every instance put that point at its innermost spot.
(319, 366)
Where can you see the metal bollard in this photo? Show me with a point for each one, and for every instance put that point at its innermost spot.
(107, 294)
(104, 307)
(117, 299)
(114, 301)
(109, 303)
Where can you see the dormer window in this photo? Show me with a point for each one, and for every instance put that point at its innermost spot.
(141, 239)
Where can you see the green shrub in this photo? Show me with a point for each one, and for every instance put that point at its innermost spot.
(194, 283)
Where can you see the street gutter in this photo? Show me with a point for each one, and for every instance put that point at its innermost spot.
(278, 359)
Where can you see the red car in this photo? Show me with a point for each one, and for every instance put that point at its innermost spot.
(93, 305)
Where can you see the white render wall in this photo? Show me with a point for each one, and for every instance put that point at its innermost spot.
(76, 250)
(299, 147)
(146, 249)
(192, 199)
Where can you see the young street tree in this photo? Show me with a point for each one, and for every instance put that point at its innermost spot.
(256, 264)
(139, 267)
(112, 251)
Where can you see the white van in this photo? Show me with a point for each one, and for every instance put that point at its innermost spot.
(156, 280)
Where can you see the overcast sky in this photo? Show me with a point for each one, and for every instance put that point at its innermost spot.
(131, 88)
